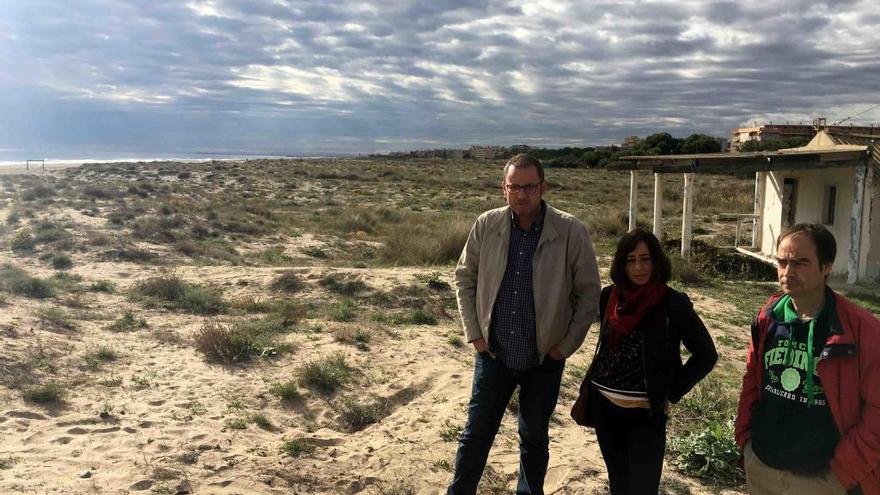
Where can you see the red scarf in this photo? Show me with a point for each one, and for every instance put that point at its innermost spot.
(626, 308)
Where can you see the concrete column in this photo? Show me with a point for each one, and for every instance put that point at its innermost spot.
(855, 224)
(658, 205)
(687, 213)
(758, 225)
(633, 190)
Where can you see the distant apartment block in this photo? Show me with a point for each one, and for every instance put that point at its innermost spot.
(773, 131)
(483, 152)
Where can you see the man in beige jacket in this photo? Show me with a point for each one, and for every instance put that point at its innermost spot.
(528, 288)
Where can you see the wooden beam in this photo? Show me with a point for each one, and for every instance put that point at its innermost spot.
(855, 224)
(658, 206)
(633, 190)
(687, 212)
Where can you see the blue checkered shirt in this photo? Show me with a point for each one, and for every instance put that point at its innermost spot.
(513, 335)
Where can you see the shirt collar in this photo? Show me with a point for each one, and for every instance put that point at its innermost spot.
(539, 222)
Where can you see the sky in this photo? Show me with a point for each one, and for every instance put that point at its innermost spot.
(336, 77)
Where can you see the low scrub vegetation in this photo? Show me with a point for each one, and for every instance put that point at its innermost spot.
(327, 374)
(172, 291)
(241, 340)
(18, 282)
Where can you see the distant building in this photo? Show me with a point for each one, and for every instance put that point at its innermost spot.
(483, 152)
(773, 131)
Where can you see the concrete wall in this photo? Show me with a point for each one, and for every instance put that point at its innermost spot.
(810, 201)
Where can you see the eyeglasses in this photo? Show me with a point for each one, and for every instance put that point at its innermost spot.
(526, 188)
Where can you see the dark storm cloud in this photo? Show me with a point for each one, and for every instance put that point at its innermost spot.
(298, 76)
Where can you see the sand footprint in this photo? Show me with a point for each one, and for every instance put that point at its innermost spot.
(24, 415)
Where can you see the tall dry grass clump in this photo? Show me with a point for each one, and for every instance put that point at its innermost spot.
(422, 241)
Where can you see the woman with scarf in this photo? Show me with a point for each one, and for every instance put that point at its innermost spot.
(637, 370)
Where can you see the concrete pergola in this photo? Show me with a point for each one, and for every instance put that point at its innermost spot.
(758, 163)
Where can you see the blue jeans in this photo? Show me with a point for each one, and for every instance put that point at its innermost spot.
(493, 386)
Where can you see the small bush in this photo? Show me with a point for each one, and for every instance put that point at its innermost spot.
(356, 415)
(177, 293)
(414, 317)
(343, 311)
(434, 281)
(288, 282)
(61, 262)
(450, 432)
(223, 344)
(55, 318)
(262, 421)
(455, 340)
(22, 242)
(327, 374)
(352, 335)
(345, 285)
(315, 252)
(285, 391)
(127, 322)
(47, 393)
(95, 358)
(711, 453)
(296, 447)
(17, 281)
(105, 286)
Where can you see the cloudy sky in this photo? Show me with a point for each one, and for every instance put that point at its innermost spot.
(308, 77)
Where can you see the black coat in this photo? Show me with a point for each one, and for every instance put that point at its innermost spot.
(665, 327)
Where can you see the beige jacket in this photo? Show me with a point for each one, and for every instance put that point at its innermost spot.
(565, 279)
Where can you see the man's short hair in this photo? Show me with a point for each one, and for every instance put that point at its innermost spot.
(523, 160)
(826, 246)
(661, 267)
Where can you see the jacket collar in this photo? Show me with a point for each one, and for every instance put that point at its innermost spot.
(831, 313)
(549, 231)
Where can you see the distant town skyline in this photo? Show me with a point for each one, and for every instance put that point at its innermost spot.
(315, 78)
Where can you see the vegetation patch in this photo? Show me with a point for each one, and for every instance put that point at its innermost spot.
(241, 340)
(327, 374)
(47, 393)
(127, 322)
(288, 282)
(172, 291)
(357, 415)
(296, 447)
(285, 391)
(18, 282)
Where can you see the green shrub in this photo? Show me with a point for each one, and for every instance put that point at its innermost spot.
(288, 282)
(94, 358)
(47, 393)
(343, 311)
(296, 447)
(177, 293)
(357, 415)
(223, 344)
(61, 262)
(22, 242)
(711, 453)
(127, 322)
(55, 318)
(347, 285)
(261, 420)
(105, 286)
(327, 374)
(18, 282)
(285, 391)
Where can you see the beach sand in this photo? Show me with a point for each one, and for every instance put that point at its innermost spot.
(159, 418)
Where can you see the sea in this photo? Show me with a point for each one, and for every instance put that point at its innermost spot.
(19, 158)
